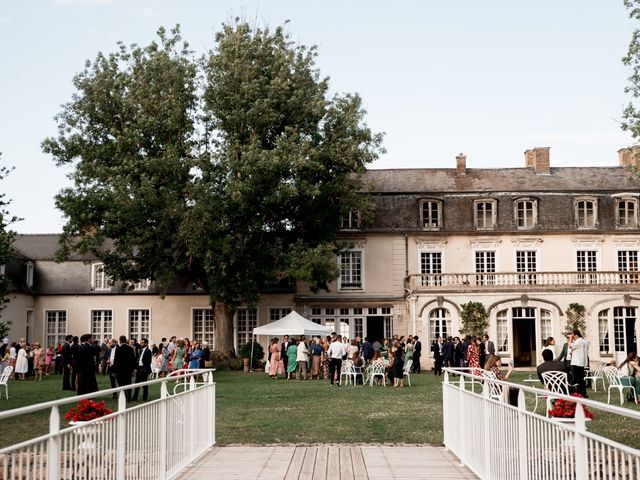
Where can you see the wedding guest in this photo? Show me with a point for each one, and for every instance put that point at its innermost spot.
(274, 357)
(316, 356)
(302, 357)
(38, 361)
(292, 359)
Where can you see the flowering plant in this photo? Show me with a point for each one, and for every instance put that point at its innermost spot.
(566, 409)
(87, 410)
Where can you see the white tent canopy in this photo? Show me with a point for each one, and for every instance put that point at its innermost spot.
(292, 324)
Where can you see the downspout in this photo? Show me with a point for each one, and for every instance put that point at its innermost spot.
(410, 296)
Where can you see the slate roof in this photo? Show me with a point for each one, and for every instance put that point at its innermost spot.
(441, 180)
(42, 246)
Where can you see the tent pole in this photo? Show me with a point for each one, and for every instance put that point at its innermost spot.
(253, 336)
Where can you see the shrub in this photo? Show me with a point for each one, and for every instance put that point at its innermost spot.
(258, 352)
(474, 319)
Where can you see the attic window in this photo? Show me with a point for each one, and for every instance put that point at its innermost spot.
(485, 214)
(351, 221)
(431, 214)
(99, 279)
(586, 212)
(29, 278)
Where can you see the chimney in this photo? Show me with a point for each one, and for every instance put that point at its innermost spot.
(461, 165)
(539, 159)
(629, 156)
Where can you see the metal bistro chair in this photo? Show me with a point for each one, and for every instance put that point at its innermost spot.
(555, 382)
(597, 374)
(4, 378)
(406, 371)
(377, 370)
(614, 382)
(347, 370)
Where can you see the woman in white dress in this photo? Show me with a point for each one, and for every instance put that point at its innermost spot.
(22, 363)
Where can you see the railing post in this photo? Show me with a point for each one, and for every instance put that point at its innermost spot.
(53, 448)
(487, 427)
(212, 440)
(162, 468)
(522, 435)
(580, 442)
(192, 418)
(463, 423)
(445, 410)
(121, 436)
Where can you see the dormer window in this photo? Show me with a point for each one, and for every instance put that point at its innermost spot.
(351, 221)
(485, 214)
(29, 279)
(431, 214)
(627, 212)
(99, 278)
(142, 284)
(586, 211)
(525, 212)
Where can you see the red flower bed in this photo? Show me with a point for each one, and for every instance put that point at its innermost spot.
(566, 409)
(87, 410)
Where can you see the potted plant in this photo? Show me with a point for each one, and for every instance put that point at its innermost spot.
(565, 410)
(245, 353)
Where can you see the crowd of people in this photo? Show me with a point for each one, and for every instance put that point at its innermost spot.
(79, 359)
(470, 352)
(320, 358)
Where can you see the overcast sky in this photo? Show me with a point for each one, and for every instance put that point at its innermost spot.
(487, 78)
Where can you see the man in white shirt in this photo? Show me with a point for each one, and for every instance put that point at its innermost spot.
(579, 360)
(336, 352)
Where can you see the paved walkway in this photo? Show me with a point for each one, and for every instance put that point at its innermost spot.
(328, 462)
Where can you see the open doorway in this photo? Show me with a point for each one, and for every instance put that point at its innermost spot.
(524, 337)
(375, 328)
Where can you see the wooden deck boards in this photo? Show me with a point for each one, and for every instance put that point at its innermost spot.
(328, 462)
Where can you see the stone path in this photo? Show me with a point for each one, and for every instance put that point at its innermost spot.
(328, 462)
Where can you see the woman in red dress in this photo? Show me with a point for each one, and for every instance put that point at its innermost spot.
(473, 357)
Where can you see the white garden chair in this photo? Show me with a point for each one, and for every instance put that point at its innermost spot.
(598, 374)
(349, 371)
(155, 372)
(377, 370)
(555, 382)
(406, 371)
(614, 382)
(495, 390)
(4, 379)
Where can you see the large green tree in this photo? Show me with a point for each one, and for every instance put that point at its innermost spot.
(231, 170)
(7, 237)
(631, 114)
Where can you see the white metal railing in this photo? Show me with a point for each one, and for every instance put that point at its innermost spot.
(151, 440)
(500, 441)
(488, 281)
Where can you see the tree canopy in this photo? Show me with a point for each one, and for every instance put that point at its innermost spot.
(231, 170)
(631, 114)
(6, 248)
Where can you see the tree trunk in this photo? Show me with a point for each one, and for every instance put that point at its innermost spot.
(223, 328)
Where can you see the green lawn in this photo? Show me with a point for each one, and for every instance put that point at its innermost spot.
(252, 409)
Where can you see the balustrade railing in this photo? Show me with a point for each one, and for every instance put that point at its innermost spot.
(152, 440)
(499, 441)
(530, 280)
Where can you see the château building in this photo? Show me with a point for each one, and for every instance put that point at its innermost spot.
(525, 242)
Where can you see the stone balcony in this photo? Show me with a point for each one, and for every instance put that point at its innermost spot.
(529, 281)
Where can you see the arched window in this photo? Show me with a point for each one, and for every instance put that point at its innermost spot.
(439, 323)
(502, 338)
(525, 211)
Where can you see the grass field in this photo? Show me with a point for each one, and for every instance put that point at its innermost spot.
(252, 409)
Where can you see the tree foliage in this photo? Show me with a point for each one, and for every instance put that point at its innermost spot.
(474, 319)
(231, 170)
(631, 114)
(7, 237)
(575, 319)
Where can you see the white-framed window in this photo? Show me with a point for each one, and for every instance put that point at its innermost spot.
(545, 325)
(56, 327)
(140, 323)
(30, 270)
(619, 318)
(603, 331)
(431, 268)
(485, 214)
(246, 321)
(202, 326)
(431, 214)
(502, 332)
(587, 261)
(324, 316)
(627, 212)
(628, 263)
(350, 221)
(276, 313)
(101, 324)
(526, 261)
(143, 284)
(485, 263)
(99, 278)
(525, 212)
(439, 323)
(351, 270)
(586, 211)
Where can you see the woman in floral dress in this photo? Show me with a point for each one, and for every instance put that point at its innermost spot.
(324, 358)
(473, 357)
(274, 357)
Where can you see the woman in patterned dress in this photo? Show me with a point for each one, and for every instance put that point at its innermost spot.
(324, 358)
(179, 352)
(274, 357)
(473, 357)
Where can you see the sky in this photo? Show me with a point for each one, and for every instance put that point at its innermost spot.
(487, 78)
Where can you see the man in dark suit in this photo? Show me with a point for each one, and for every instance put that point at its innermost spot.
(75, 345)
(550, 365)
(489, 347)
(143, 369)
(125, 364)
(447, 352)
(283, 351)
(86, 365)
(417, 353)
(66, 363)
(458, 353)
(111, 364)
